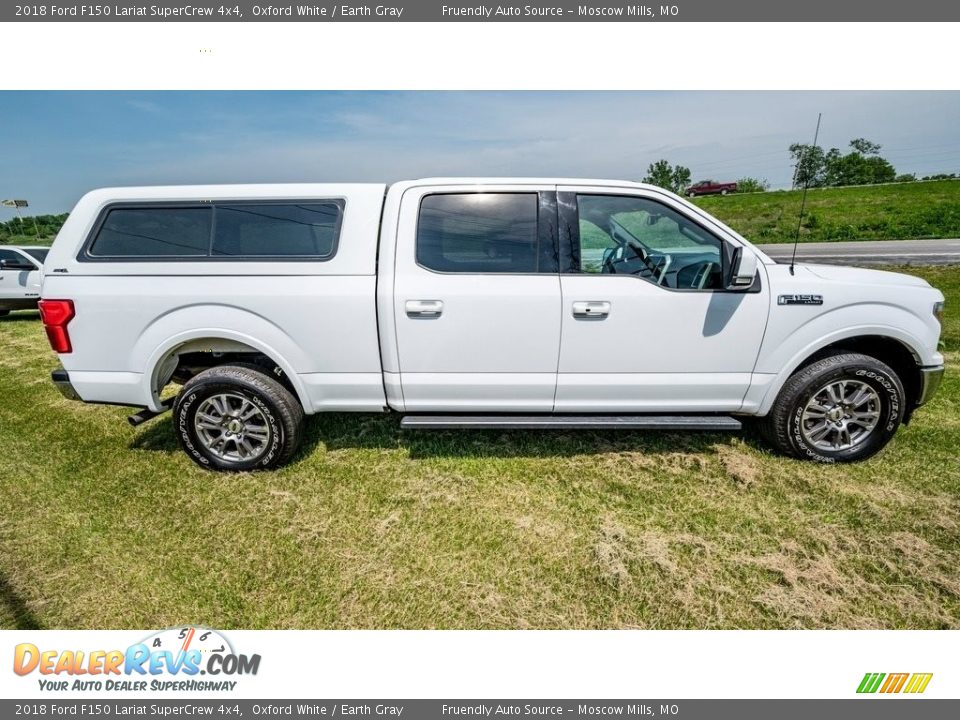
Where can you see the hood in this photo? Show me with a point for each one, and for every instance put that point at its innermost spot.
(864, 276)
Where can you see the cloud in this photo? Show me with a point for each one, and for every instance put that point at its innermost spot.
(569, 134)
(327, 136)
(145, 106)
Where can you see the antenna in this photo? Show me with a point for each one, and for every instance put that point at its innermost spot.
(803, 199)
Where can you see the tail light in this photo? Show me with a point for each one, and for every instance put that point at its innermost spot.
(56, 314)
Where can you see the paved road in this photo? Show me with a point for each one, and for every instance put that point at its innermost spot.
(871, 252)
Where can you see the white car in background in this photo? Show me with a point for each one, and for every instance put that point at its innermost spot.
(21, 272)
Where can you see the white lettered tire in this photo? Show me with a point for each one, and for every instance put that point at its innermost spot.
(237, 418)
(842, 408)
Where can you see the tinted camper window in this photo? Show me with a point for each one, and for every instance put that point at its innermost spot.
(270, 230)
(154, 232)
(219, 231)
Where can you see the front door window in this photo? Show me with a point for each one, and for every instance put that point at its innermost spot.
(625, 235)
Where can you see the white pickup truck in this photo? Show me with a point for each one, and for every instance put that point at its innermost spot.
(480, 303)
(20, 276)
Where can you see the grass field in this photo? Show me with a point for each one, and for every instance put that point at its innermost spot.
(105, 526)
(902, 211)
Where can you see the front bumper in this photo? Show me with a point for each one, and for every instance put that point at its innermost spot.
(930, 378)
(61, 380)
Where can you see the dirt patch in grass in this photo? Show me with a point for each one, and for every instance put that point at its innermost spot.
(740, 465)
(612, 552)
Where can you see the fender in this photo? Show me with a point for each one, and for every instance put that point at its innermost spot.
(193, 322)
(766, 386)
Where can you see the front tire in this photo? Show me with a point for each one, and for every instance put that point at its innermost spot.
(843, 408)
(237, 418)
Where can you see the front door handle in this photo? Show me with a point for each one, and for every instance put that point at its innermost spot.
(424, 308)
(591, 309)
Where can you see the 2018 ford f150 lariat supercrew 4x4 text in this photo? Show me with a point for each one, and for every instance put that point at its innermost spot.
(472, 302)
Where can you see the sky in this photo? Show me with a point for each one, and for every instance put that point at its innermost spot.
(58, 145)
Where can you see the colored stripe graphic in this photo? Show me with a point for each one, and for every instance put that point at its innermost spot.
(894, 683)
(870, 682)
(918, 683)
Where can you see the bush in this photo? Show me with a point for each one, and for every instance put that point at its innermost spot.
(17, 232)
(749, 184)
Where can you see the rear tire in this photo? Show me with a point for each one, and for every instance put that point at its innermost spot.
(237, 418)
(843, 408)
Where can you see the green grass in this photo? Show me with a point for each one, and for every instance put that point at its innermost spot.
(879, 212)
(105, 526)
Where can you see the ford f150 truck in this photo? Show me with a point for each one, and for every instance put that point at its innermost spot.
(477, 303)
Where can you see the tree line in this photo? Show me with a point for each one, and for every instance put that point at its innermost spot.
(861, 164)
(25, 232)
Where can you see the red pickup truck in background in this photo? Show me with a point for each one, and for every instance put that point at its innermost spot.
(711, 187)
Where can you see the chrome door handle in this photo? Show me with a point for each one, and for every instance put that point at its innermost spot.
(424, 308)
(591, 309)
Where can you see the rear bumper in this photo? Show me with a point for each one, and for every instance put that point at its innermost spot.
(61, 380)
(930, 378)
(19, 303)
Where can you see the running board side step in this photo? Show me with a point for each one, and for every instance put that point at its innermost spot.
(145, 414)
(571, 422)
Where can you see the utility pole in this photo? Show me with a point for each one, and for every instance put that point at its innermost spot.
(16, 205)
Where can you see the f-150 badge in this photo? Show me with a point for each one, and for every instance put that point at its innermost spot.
(800, 300)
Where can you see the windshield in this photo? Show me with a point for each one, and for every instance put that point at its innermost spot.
(39, 254)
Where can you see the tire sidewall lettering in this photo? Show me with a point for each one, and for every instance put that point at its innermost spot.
(276, 428)
(186, 431)
(893, 395)
(891, 405)
(184, 428)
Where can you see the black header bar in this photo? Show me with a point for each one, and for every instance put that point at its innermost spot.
(854, 11)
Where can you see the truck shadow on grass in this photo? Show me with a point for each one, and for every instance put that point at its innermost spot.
(351, 431)
(21, 316)
(16, 607)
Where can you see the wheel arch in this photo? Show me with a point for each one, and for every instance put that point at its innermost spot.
(160, 368)
(899, 352)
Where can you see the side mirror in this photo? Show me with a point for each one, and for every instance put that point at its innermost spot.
(743, 271)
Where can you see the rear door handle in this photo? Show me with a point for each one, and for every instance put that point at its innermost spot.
(424, 308)
(591, 309)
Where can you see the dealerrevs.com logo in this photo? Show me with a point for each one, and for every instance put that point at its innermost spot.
(177, 659)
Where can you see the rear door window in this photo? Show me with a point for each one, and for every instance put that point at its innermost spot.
(478, 233)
